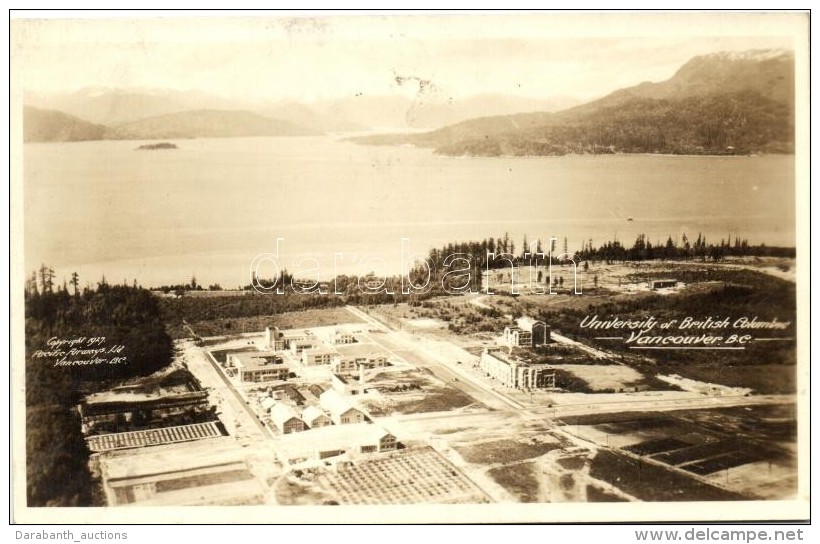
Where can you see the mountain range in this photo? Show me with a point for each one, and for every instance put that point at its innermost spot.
(103, 113)
(55, 126)
(722, 103)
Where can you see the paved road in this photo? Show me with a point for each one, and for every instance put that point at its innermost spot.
(416, 353)
(444, 368)
(650, 404)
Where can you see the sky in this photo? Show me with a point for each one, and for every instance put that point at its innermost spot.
(579, 55)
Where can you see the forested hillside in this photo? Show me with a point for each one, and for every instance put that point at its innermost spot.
(719, 104)
(133, 343)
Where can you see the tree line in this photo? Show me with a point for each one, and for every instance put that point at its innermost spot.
(57, 472)
(642, 249)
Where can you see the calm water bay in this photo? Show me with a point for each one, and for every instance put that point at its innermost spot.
(209, 207)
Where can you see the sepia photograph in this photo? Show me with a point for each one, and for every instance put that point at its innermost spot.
(475, 267)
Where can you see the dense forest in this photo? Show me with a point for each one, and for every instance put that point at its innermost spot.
(127, 320)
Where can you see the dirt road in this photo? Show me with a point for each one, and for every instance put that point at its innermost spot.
(234, 413)
(442, 361)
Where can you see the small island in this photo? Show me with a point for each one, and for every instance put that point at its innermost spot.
(160, 145)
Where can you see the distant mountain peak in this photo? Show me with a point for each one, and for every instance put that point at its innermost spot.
(207, 123)
(754, 55)
(722, 103)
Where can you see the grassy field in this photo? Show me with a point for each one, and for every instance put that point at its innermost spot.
(647, 418)
(579, 372)
(763, 379)
(650, 482)
(769, 425)
(503, 451)
(289, 320)
(202, 480)
(595, 494)
(456, 313)
(436, 399)
(605, 377)
(519, 479)
(413, 392)
(568, 381)
(231, 313)
(702, 442)
(766, 367)
(292, 491)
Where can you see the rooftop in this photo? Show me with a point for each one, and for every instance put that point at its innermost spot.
(129, 397)
(255, 360)
(297, 333)
(527, 323)
(316, 389)
(334, 403)
(267, 403)
(321, 350)
(312, 412)
(503, 356)
(280, 413)
(169, 383)
(360, 350)
(333, 436)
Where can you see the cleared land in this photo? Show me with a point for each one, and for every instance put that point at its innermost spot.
(605, 377)
(289, 320)
(515, 454)
(520, 479)
(413, 392)
(505, 451)
(229, 483)
(650, 482)
(763, 379)
(716, 447)
(409, 477)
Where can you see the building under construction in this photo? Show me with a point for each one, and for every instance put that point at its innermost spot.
(516, 373)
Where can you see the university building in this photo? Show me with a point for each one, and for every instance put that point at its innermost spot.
(527, 332)
(254, 367)
(318, 356)
(274, 339)
(516, 373)
(337, 336)
(353, 356)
